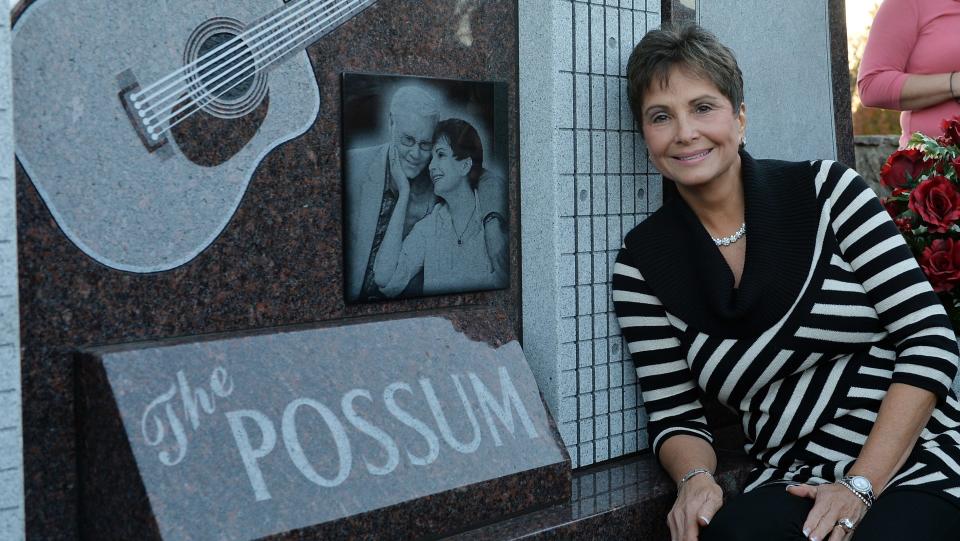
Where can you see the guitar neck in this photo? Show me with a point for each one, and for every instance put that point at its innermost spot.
(299, 24)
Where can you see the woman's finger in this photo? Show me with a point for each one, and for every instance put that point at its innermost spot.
(823, 529)
(819, 522)
(708, 510)
(672, 524)
(838, 534)
(803, 491)
(690, 528)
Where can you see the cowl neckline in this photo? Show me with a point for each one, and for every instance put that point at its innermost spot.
(679, 261)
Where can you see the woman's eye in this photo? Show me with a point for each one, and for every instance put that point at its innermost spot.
(658, 118)
(704, 108)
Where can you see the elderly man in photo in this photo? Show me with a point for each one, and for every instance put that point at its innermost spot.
(371, 191)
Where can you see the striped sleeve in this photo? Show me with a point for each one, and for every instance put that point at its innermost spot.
(926, 345)
(670, 396)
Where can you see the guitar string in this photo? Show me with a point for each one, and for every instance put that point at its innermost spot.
(234, 44)
(249, 65)
(192, 106)
(156, 100)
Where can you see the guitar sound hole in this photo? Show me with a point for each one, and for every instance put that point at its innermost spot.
(221, 79)
(219, 122)
(228, 87)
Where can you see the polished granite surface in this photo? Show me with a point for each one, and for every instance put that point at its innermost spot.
(278, 262)
(623, 499)
(312, 432)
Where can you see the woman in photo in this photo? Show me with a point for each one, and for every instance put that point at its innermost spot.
(784, 290)
(449, 243)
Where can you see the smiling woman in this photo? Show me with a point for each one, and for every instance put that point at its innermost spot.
(390, 125)
(449, 245)
(810, 318)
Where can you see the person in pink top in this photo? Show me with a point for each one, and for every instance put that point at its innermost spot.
(911, 63)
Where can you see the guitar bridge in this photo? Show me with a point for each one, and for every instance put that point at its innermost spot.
(128, 85)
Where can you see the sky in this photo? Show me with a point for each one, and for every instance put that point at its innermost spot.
(858, 16)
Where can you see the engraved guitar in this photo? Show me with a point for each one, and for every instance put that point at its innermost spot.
(140, 123)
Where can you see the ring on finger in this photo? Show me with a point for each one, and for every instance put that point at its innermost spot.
(846, 525)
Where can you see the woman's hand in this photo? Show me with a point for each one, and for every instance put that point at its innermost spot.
(832, 503)
(495, 237)
(698, 500)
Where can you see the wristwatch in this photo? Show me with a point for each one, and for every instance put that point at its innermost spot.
(860, 486)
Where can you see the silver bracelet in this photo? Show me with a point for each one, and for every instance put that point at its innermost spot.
(863, 498)
(691, 474)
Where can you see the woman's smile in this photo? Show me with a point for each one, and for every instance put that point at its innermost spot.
(692, 158)
(692, 130)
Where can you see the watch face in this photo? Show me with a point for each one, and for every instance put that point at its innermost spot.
(861, 484)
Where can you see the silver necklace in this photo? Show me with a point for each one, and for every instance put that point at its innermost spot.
(460, 235)
(727, 241)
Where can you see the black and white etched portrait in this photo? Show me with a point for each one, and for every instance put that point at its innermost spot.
(425, 191)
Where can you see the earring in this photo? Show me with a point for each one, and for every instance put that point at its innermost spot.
(743, 141)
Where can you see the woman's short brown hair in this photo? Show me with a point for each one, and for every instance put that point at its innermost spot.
(687, 46)
(465, 143)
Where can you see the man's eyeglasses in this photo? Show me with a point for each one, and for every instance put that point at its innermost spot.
(409, 142)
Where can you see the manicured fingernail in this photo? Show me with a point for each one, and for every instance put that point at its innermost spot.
(813, 538)
(705, 519)
(806, 532)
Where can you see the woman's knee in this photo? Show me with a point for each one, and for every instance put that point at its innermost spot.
(763, 514)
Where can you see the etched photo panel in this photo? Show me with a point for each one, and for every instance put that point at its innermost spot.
(425, 187)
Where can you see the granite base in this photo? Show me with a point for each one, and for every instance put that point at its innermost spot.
(623, 499)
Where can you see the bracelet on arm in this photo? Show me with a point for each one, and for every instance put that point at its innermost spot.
(691, 474)
(865, 492)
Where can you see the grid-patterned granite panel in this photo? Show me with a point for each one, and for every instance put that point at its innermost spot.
(604, 188)
(11, 422)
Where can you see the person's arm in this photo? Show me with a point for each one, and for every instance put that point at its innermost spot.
(389, 254)
(492, 198)
(883, 80)
(676, 426)
(412, 255)
(925, 344)
(495, 238)
(922, 91)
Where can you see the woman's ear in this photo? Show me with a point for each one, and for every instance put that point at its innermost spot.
(742, 119)
(465, 165)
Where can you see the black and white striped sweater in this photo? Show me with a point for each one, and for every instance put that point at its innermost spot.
(832, 308)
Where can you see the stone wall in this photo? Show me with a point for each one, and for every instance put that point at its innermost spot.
(11, 463)
(586, 182)
(871, 152)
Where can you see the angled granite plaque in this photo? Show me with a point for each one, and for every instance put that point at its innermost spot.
(255, 436)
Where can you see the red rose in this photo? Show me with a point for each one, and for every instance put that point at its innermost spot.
(937, 201)
(893, 206)
(899, 165)
(951, 129)
(905, 225)
(956, 165)
(941, 263)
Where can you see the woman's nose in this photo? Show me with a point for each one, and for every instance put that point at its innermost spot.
(686, 129)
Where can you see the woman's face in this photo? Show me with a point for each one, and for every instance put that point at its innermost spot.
(692, 131)
(446, 171)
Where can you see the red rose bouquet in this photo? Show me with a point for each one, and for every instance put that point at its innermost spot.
(925, 205)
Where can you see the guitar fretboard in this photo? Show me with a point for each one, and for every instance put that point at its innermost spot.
(318, 20)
